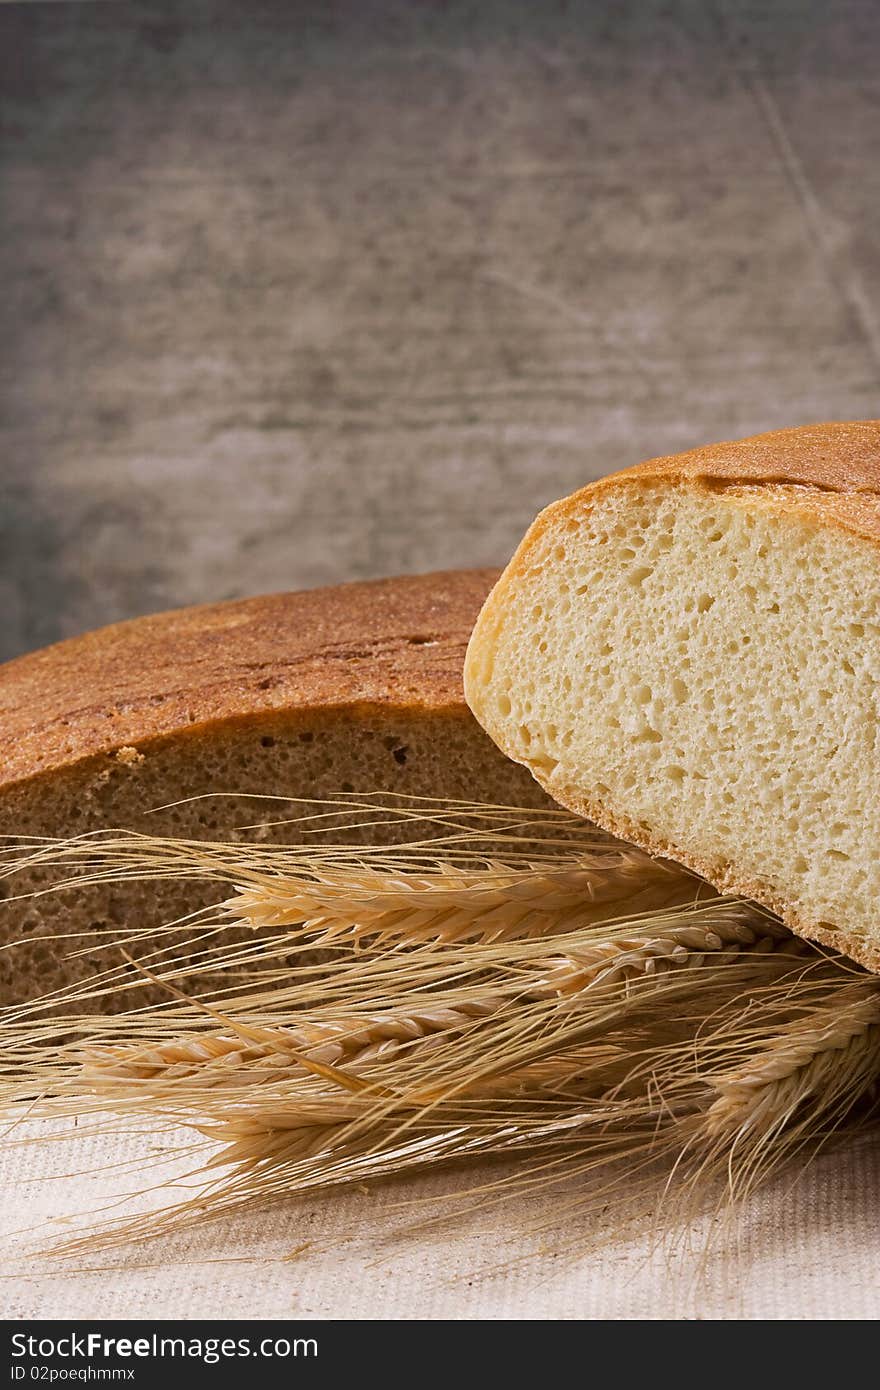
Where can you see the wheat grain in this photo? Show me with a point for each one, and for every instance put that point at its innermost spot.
(556, 874)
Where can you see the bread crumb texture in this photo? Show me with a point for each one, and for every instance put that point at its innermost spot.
(699, 667)
(212, 786)
(128, 756)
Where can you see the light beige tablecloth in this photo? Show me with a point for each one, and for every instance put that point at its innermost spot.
(805, 1250)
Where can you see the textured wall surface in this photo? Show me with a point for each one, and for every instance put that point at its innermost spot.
(295, 293)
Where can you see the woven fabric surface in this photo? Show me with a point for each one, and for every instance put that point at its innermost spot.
(801, 1250)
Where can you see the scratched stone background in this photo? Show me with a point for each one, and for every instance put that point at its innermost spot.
(301, 292)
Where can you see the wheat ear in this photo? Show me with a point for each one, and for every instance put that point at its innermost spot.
(624, 960)
(218, 1057)
(833, 1052)
(490, 903)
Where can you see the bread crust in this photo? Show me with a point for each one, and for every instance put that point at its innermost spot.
(393, 643)
(828, 474)
(838, 456)
(722, 875)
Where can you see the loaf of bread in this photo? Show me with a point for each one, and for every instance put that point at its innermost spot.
(350, 689)
(688, 653)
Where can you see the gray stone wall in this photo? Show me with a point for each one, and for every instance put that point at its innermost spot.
(301, 292)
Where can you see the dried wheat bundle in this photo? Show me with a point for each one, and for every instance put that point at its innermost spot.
(638, 1095)
(504, 985)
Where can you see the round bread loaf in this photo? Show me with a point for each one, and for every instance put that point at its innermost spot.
(349, 689)
(688, 653)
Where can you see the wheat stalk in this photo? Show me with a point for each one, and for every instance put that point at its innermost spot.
(654, 1108)
(687, 944)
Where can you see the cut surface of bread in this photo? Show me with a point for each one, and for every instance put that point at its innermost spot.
(688, 653)
(352, 689)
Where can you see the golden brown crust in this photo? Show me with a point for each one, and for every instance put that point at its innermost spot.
(840, 456)
(829, 471)
(390, 642)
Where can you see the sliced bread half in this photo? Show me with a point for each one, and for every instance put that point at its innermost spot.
(688, 653)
